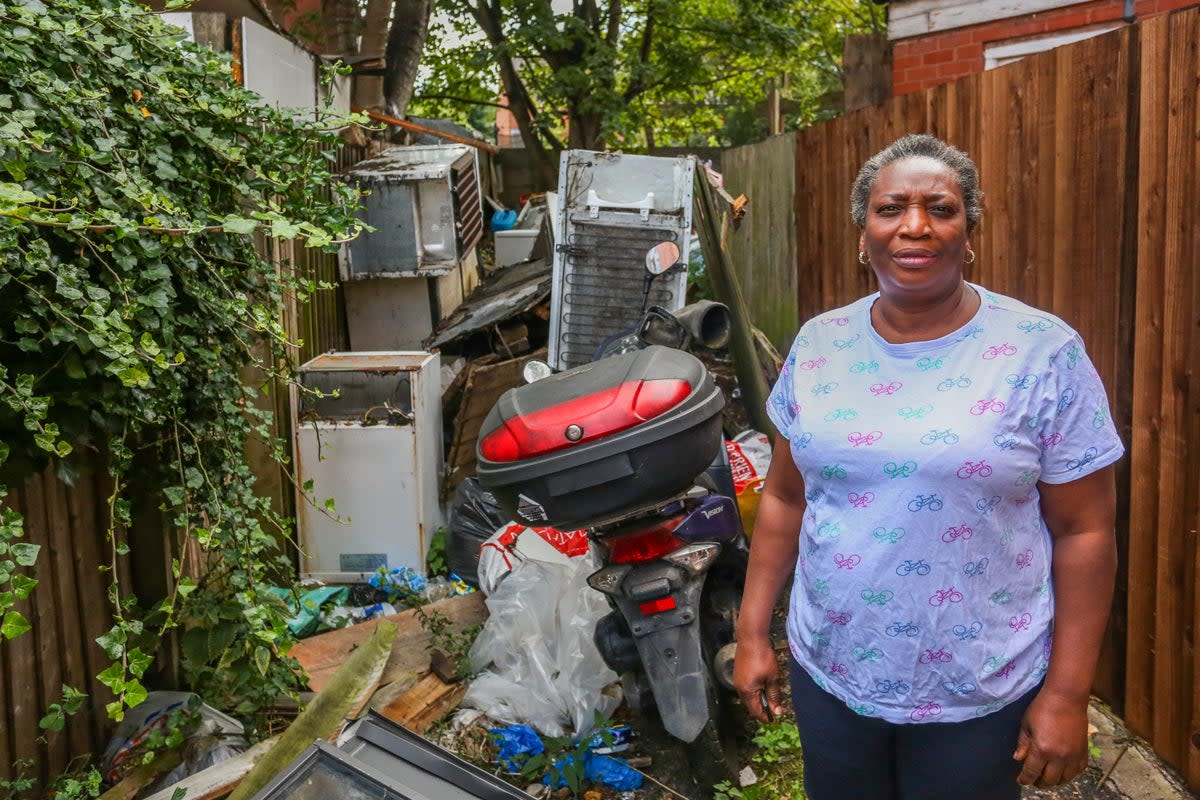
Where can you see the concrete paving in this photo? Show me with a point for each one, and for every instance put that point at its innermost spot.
(1127, 763)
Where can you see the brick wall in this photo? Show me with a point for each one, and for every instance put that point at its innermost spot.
(923, 61)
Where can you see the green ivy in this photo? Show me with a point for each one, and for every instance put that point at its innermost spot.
(135, 176)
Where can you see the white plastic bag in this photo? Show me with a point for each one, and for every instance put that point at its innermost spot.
(542, 667)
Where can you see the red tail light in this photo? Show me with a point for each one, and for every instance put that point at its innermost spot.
(645, 545)
(598, 414)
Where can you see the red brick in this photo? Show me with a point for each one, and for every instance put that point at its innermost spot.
(904, 88)
(968, 51)
(938, 57)
(922, 74)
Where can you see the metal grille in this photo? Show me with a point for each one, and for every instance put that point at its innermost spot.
(468, 209)
(601, 285)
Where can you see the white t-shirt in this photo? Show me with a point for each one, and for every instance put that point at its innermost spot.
(922, 591)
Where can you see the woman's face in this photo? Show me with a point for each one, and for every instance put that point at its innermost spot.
(916, 231)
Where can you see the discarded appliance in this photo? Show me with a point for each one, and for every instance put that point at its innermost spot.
(369, 436)
(401, 279)
(378, 758)
(529, 238)
(426, 207)
(613, 209)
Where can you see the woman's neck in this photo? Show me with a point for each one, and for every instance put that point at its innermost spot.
(901, 323)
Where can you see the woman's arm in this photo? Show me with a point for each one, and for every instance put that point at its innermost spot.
(1080, 515)
(773, 551)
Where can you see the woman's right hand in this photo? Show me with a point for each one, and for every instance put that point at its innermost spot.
(756, 678)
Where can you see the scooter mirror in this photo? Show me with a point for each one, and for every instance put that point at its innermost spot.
(662, 257)
(536, 370)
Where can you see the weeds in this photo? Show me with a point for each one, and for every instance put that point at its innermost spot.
(781, 771)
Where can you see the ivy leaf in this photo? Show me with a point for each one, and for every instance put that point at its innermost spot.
(186, 586)
(23, 585)
(262, 659)
(13, 194)
(113, 677)
(14, 625)
(138, 662)
(112, 643)
(135, 693)
(25, 554)
(233, 224)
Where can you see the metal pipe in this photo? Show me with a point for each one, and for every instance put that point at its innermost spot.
(1130, 15)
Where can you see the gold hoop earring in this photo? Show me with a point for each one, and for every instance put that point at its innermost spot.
(970, 257)
(862, 258)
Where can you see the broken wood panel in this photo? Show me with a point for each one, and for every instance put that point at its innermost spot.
(763, 248)
(484, 385)
(425, 703)
(322, 654)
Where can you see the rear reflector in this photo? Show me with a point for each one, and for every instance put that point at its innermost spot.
(652, 607)
(592, 416)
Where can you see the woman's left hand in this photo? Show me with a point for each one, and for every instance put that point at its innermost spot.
(1053, 740)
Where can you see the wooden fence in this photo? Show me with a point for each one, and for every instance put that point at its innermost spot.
(1089, 161)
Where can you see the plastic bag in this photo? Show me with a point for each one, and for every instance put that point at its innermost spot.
(307, 617)
(474, 518)
(543, 668)
(749, 458)
(514, 543)
(518, 743)
(153, 713)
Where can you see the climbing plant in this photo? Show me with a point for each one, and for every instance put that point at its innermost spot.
(135, 175)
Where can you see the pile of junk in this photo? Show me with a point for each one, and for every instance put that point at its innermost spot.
(604, 447)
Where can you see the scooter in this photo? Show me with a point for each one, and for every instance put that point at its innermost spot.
(629, 447)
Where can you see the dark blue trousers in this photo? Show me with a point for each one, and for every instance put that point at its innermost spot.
(851, 757)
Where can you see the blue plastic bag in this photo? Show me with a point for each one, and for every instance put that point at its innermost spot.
(607, 770)
(517, 743)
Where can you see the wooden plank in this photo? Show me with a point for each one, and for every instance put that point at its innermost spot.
(87, 513)
(74, 670)
(917, 18)
(321, 655)
(425, 703)
(219, 779)
(1175, 552)
(48, 629)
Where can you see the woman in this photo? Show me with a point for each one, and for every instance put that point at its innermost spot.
(943, 495)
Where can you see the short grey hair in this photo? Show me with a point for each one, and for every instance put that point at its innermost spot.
(919, 145)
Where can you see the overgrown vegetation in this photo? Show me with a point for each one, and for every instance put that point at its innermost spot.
(134, 177)
(776, 763)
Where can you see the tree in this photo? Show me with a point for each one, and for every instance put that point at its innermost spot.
(627, 73)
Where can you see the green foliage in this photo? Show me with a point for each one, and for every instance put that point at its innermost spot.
(777, 763)
(77, 786)
(20, 783)
(672, 72)
(134, 176)
(435, 559)
(445, 636)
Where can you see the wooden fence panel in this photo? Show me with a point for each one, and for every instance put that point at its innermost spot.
(764, 247)
(1165, 459)
(68, 609)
